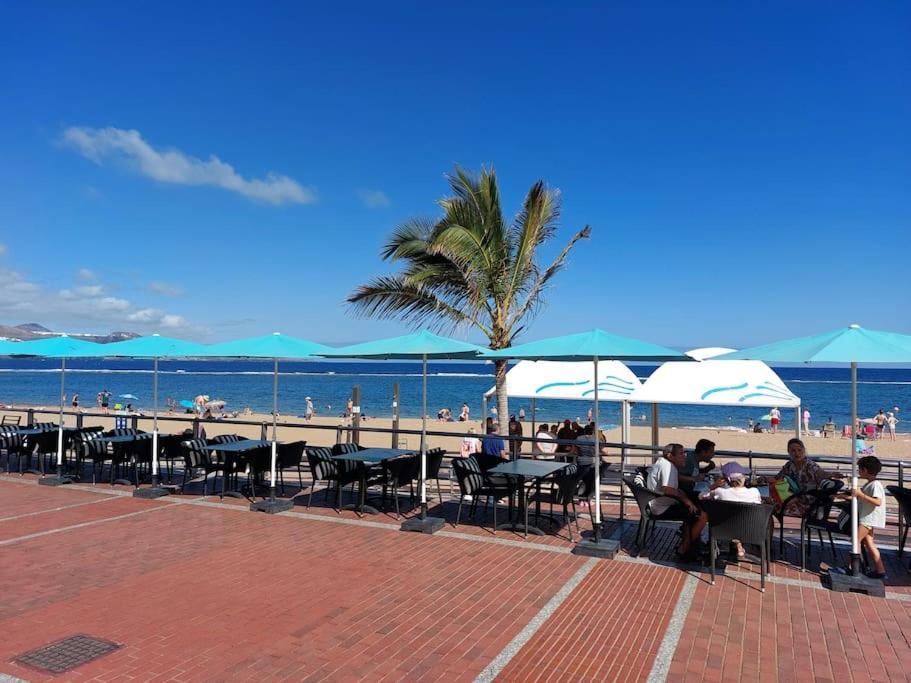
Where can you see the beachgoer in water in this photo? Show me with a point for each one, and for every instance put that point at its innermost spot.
(308, 411)
(806, 421)
(891, 421)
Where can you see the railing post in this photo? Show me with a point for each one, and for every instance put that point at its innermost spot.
(901, 516)
(30, 417)
(395, 415)
(263, 432)
(356, 414)
(134, 422)
(79, 420)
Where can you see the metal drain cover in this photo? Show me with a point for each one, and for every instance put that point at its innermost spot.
(67, 654)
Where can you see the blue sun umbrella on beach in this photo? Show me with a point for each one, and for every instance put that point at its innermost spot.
(593, 345)
(423, 346)
(62, 347)
(189, 405)
(847, 345)
(155, 347)
(275, 346)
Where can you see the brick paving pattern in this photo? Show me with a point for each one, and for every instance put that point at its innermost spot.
(197, 589)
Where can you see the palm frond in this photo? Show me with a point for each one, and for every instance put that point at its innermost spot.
(408, 240)
(534, 225)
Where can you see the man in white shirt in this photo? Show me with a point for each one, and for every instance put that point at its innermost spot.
(544, 446)
(674, 503)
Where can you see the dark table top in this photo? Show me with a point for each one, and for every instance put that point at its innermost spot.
(33, 431)
(536, 469)
(374, 454)
(124, 438)
(238, 446)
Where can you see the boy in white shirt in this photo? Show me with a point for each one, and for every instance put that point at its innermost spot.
(871, 511)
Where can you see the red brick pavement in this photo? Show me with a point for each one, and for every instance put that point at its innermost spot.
(20, 497)
(609, 629)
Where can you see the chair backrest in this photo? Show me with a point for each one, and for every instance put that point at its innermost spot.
(46, 442)
(194, 452)
(322, 466)
(123, 431)
(487, 461)
(434, 461)
(568, 480)
(903, 496)
(468, 474)
(342, 448)
(745, 522)
(636, 483)
(11, 419)
(290, 454)
(45, 425)
(225, 438)
(401, 470)
(821, 500)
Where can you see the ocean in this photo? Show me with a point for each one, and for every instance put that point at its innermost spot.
(825, 391)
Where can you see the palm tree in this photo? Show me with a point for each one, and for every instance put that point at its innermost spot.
(470, 267)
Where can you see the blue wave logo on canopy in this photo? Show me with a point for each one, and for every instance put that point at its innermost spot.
(763, 390)
(610, 384)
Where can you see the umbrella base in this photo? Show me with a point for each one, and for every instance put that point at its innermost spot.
(604, 549)
(857, 583)
(153, 492)
(55, 480)
(272, 506)
(427, 525)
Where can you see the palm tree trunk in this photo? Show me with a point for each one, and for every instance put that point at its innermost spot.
(502, 399)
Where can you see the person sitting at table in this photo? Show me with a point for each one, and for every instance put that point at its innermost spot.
(471, 444)
(674, 503)
(690, 474)
(584, 448)
(544, 445)
(803, 472)
(565, 433)
(493, 444)
(732, 487)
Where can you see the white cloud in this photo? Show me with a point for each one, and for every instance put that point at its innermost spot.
(81, 308)
(86, 274)
(173, 166)
(2, 249)
(374, 199)
(165, 288)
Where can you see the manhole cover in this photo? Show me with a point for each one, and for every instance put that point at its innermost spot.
(67, 654)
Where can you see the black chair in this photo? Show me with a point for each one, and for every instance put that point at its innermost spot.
(342, 448)
(780, 512)
(14, 445)
(399, 473)
(744, 522)
(11, 420)
(197, 456)
(322, 468)
(288, 456)
(644, 497)
(563, 492)
(903, 496)
(45, 449)
(816, 518)
(169, 451)
(472, 482)
(89, 447)
(434, 462)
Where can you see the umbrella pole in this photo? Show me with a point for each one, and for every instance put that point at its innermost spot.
(596, 522)
(156, 490)
(59, 478)
(273, 505)
(855, 545)
(424, 438)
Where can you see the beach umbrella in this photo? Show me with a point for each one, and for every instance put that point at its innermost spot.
(187, 404)
(594, 345)
(275, 346)
(62, 347)
(423, 346)
(155, 347)
(130, 397)
(847, 345)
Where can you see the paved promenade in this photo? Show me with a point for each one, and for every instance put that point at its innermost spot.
(191, 589)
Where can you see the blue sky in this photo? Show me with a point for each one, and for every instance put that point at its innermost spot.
(744, 166)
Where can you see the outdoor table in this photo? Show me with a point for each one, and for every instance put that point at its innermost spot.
(365, 458)
(522, 470)
(233, 450)
(118, 442)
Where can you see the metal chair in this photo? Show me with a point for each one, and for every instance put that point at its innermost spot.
(744, 522)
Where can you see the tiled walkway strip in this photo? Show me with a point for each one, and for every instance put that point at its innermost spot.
(672, 636)
(501, 660)
(19, 539)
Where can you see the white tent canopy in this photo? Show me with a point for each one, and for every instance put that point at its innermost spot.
(571, 380)
(748, 383)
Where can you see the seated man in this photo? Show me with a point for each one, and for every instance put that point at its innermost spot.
(493, 444)
(691, 472)
(674, 503)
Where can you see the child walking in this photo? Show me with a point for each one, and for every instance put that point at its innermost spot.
(871, 511)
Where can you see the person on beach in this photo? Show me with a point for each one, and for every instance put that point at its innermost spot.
(891, 421)
(775, 420)
(75, 401)
(105, 400)
(544, 445)
(880, 421)
(732, 487)
(308, 410)
(803, 472)
(463, 416)
(674, 503)
(515, 431)
(493, 443)
(349, 408)
(871, 511)
(806, 421)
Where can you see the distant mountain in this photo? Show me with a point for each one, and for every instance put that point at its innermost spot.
(29, 331)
